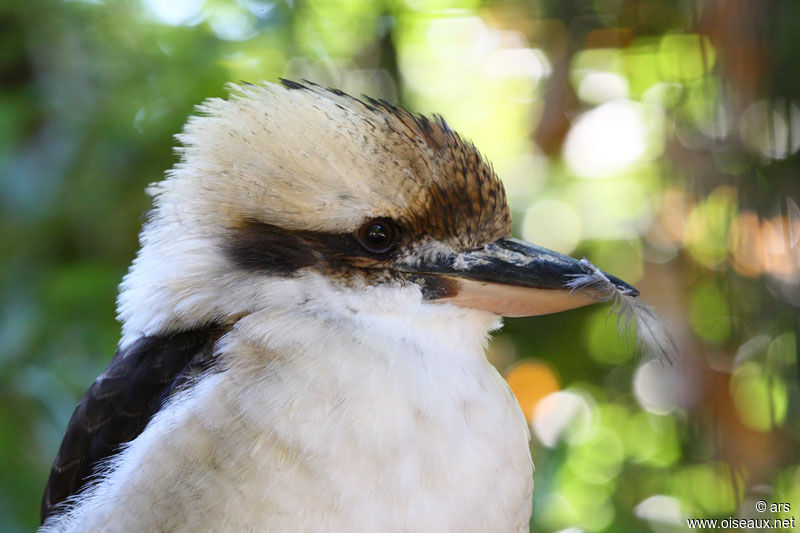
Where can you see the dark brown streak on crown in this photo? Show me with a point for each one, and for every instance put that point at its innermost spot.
(455, 196)
(464, 203)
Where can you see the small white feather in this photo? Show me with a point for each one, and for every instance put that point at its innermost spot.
(653, 338)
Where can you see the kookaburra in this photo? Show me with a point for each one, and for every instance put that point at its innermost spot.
(303, 333)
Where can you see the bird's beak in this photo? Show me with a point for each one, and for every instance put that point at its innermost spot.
(510, 277)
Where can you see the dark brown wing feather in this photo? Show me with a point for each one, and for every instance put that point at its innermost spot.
(121, 402)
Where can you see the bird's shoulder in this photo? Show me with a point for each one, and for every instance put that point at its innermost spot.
(122, 400)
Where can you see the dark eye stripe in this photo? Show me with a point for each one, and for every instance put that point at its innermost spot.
(258, 247)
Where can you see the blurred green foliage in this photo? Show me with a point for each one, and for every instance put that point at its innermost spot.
(660, 139)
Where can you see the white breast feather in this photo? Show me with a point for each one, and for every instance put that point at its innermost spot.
(330, 417)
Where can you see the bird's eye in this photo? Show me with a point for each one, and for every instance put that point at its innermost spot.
(379, 235)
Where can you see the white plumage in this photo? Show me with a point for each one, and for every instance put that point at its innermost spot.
(368, 413)
(345, 388)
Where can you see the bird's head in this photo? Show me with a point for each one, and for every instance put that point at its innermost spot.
(286, 192)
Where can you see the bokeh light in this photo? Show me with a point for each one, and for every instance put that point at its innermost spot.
(606, 141)
(531, 381)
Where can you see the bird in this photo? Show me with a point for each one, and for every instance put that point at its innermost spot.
(304, 330)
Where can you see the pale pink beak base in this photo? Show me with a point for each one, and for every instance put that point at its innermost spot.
(514, 301)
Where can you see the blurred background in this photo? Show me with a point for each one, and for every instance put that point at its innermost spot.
(659, 138)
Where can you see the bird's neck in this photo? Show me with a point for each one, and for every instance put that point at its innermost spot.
(395, 420)
(337, 411)
(300, 313)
